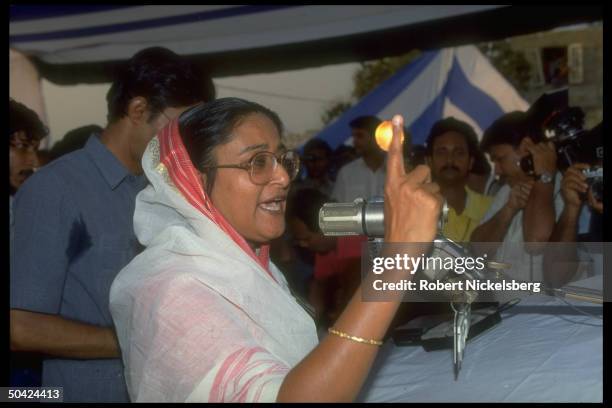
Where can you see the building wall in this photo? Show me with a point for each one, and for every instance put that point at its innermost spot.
(588, 93)
(25, 86)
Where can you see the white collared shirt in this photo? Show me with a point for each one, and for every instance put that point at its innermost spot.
(356, 179)
(524, 266)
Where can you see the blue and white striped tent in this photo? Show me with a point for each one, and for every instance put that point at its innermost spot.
(458, 82)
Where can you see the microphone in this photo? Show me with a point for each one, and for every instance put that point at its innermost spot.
(366, 217)
(361, 217)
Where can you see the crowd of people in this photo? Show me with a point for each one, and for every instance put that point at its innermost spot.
(150, 259)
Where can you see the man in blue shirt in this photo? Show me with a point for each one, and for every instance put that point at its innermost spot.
(26, 130)
(73, 230)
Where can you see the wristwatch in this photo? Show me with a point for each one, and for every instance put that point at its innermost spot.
(545, 177)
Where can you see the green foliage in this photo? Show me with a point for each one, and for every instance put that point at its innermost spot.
(373, 73)
(510, 63)
(335, 110)
(369, 76)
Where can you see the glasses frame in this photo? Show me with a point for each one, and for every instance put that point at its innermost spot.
(248, 165)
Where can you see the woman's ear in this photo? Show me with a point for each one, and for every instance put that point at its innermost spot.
(137, 110)
(471, 165)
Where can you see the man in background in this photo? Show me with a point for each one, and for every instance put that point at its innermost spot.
(74, 230)
(364, 176)
(451, 152)
(317, 160)
(524, 211)
(26, 130)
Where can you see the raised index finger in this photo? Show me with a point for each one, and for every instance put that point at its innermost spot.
(395, 158)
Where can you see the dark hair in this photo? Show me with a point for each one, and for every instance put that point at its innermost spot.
(317, 144)
(510, 128)
(453, 125)
(481, 165)
(342, 149)
(367, 122)
(73, 140)
(208, 125)
(417, 154)
(25, 119)
(407, 146)
(304, 204)
(160, 76)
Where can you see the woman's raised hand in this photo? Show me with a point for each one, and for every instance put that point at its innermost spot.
(412, 201)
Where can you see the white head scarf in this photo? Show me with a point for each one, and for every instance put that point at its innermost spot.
(198, 316)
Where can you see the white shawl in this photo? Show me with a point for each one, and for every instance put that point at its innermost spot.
(196, 317)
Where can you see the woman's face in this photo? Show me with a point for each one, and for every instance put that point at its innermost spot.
(257, 212)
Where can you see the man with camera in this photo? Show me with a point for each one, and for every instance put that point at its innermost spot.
(524, 211)
(564, 261)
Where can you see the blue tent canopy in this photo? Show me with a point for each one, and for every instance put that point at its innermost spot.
(457, 82)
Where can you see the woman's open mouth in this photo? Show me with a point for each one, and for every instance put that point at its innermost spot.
(274, 205)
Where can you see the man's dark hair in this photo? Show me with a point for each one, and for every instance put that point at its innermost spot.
(342, 149)
(22, 118)
(317, 144)
(481, 165)
(208, 125)
(366, 122)
(417, 154)
(160, 76)
(73, 140)
(510, 128)
(453, 125)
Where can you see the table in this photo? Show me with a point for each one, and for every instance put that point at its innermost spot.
(542, 351)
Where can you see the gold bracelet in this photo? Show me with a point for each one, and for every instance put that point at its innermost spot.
(354, 338)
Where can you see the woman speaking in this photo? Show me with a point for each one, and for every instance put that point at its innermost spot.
(202, 314)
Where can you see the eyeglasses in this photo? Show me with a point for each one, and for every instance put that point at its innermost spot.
(261, 167)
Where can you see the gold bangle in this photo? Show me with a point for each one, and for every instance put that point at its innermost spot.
(354, 338)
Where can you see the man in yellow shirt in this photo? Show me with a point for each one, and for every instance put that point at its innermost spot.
(451, 148)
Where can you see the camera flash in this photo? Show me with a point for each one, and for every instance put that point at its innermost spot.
(383, 135)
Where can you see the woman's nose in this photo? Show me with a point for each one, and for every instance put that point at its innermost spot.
(281, 176)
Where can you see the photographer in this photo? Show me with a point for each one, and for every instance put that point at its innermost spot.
(523, 213)
(577, 223)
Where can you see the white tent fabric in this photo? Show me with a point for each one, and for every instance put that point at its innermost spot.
(76, 34)
(458, 82)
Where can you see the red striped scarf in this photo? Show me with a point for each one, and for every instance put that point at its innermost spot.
(186, 178)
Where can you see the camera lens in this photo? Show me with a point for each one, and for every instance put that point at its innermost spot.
(597, 189)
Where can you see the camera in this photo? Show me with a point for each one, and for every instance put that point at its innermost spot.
(594, 176)
(572, 142)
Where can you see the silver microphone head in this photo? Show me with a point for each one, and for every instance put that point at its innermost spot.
(337, 219)
(360, 217)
